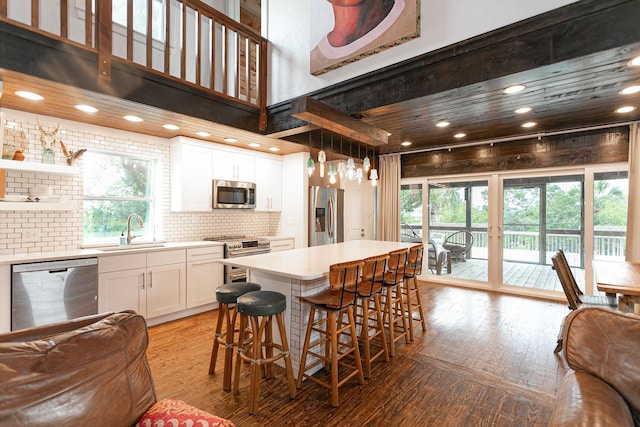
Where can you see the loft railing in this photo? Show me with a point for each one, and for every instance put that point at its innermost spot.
(184, 40)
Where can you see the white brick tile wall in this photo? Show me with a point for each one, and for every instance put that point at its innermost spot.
(62, 230)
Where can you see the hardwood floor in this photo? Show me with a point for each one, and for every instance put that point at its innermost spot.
(485, 360)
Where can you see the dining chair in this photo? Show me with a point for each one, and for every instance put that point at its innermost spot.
(570, 288)
(329, 349)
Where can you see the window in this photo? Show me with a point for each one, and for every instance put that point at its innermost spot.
(119, 16)
(115, 186)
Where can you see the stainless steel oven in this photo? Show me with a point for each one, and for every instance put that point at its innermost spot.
(237, 246)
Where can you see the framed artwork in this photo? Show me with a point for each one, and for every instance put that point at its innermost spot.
(344, 31)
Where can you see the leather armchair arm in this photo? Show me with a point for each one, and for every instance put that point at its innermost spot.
(584, 400)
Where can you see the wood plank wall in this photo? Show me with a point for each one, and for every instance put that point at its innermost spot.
(591, 147)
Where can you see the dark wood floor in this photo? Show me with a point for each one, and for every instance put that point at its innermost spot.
(485, 360)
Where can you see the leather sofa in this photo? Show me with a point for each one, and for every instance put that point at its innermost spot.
(602, 348)
(88, 371)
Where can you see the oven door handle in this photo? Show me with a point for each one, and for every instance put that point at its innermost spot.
(246, 252)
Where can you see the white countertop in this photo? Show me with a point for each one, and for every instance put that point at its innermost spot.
(313, 263)
(92, 252)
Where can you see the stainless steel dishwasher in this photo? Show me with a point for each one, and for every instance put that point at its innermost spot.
(52, 291)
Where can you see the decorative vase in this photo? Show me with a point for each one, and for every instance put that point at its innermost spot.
(18, 155)
(48, 156)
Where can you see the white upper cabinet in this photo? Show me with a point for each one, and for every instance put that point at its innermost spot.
(191, 176)
(194, 164)
(233, 165)
(268, 184)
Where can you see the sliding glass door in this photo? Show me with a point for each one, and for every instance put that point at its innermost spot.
(541, 215)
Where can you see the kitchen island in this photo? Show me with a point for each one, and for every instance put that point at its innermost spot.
(305, 271)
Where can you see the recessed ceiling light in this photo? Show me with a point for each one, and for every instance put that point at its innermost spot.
(230, 139)
(406, 143)
(523, 110)
(626, 109)
(171, 127)
(443, 124)
(254, 145)
(86, 108)
(635, 62)
(529, 124)
(29, 95)
(630, 90)
(460, 135)
(203, 134)
(133, 118)
(389, 134)
(513, 89)
(274, 149)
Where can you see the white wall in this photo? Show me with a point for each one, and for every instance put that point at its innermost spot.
(443, 22)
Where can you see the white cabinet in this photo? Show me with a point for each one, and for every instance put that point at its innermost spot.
(204, 275)
(152, 284)
(268, 176)
(282, 244)
(191, 175)
(233, 165)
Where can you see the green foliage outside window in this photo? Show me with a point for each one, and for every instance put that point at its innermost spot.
(114, 187)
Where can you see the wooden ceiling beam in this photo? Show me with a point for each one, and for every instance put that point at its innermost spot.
(322, 115)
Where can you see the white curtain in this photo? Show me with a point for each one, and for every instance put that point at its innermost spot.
(633, 222)
(389, 201)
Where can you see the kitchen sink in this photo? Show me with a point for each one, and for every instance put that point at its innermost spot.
(130, 247)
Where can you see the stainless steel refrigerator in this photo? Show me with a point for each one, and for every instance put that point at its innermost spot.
(326, 219)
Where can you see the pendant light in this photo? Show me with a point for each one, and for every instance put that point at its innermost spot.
(359, 173)
(366, 163)
(322, 156)
(342, 168)
(310, 165)
(332, 168)
(374, 172)
(351, 167)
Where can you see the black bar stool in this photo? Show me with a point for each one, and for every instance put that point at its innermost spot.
(258, 308)
(226, 295)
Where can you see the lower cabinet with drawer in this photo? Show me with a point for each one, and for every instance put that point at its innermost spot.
(204, 275)
(153, 284)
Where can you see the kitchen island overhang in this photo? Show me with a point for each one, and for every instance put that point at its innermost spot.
(305, 271)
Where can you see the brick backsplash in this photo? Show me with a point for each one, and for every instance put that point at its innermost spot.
(62, 230)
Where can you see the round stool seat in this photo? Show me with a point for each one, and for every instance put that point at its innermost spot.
(229, 293)
(261, 303)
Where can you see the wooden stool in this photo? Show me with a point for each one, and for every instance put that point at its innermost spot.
(226, 295)
(258, 309)
(395, 315)
(410, 287)
(330, 352)
(369, 290)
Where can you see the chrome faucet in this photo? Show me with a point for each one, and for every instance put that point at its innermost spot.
(140, 223)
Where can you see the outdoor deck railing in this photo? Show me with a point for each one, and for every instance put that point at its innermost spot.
(605, 245)
(184, 40)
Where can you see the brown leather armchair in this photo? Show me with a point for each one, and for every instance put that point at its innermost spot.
(87, 371)
(602, 348)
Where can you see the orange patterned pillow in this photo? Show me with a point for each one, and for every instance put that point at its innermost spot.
(173, 412)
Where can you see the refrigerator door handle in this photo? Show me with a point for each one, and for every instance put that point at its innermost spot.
(330, 217)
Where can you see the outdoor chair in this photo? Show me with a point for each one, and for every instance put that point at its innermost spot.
(460, 244)
(438, 259)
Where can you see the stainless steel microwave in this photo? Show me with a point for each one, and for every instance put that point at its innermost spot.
(233, 194)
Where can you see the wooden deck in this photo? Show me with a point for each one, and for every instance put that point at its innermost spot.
(514, 273)
(486, 359)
